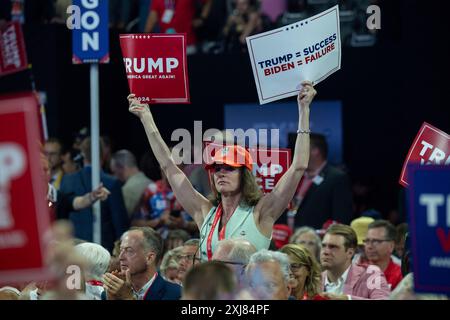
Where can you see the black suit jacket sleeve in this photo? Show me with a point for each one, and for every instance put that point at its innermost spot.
(342, 206)
(64, 205)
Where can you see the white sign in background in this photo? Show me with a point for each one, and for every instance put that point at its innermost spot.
(306, 50)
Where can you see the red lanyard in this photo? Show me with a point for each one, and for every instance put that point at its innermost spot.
(304, 185)
(148, 290)
(211, 232)
(95, 283)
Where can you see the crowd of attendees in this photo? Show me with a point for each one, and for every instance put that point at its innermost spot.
(212, 26)
(329, 243)
(148, 241)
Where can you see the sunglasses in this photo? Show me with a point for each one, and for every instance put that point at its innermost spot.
(218, 168)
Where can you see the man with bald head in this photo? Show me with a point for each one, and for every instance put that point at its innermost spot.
(236, 254)
(268, 273)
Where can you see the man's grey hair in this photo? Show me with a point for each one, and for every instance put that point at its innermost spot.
(97, 257)
(152, 241)
(124, 159)
(265, 255)
(192, 242)
(239, 250)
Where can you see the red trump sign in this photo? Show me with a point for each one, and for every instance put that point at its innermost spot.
(13, 57)
(268, 173)
(430, 147)
(24, 216)
(155, 65)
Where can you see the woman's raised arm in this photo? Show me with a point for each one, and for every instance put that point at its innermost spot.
(272, 205)
(192, 201)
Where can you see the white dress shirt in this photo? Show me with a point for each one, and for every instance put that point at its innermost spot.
(338, 286)
(139, 295)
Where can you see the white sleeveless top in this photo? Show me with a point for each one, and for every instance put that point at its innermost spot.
(241, 225)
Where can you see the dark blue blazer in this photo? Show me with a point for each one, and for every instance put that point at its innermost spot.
(160, 289)
(331, 199)
(114, 215)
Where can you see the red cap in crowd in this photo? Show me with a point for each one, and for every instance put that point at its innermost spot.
(281, 234)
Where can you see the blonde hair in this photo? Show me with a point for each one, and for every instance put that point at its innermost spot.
(302, 256)
(251, 193)
(170, 260)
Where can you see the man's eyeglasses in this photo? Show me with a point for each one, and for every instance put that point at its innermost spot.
(233, 263)
(189, 257)
(375, 242)
(218, 168)
(240, 270)
(186, 256)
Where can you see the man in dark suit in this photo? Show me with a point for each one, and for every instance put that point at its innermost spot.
(138, 279)
(324, 193)
(114, 217)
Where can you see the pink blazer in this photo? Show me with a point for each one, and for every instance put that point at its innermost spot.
(364, 283)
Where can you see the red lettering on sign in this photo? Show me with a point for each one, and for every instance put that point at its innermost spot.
(444, 239)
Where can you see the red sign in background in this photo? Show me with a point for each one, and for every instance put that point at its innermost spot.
(155, 65)
(13, 57)
(23, 207)
(431, 146)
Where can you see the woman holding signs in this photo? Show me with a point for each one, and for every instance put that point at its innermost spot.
(237, 208)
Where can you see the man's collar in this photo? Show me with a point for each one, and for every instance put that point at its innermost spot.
(316, 172)
(341, 279)
(345, 274)
(145, 288)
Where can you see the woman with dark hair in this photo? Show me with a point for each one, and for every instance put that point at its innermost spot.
(238, 209)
